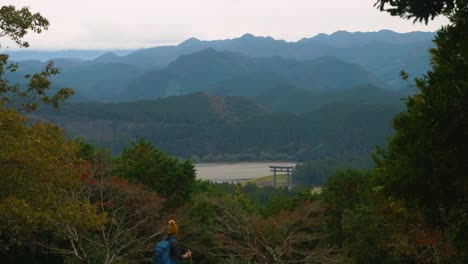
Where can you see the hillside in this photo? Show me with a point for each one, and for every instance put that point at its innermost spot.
(328, 74)
(91, 82)
(225, 72)
(307, 48)
(101, 82)
(383, 53)
(209, 127)
(191, 65)
(293, 100)
(200, 71)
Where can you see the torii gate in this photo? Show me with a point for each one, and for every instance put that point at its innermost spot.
(287, 169)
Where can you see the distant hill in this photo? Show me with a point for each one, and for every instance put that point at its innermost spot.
(91, 82)
(197, 107)
(293, 100)
(250, 85)
(345, 39)
(225, 73)
(204, 126)
(195, 72)
(328, 74)
(98, 82)
(246, 66)
(44, 55)
(383, 53)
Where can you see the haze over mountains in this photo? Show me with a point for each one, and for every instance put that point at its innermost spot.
(246, 66)
(248, 98)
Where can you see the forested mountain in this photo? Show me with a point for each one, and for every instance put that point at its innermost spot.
(225, 72)
(218, 72)
(343, 39)
(246, 66)
(383, 53)
(98, 82)
(293, 100)
(199, 71)
(340, 44)
(219, 128)
(247, 44)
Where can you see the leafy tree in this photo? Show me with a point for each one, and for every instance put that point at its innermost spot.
(133, 225)
(223, 232)
(374, 229)
(343, 191)
(87, 151)
(419, 10)
(316, 172)
(170, 178)
(365, 235)
(15, 24)
(425, 162)
(40, 171)
(39, 179)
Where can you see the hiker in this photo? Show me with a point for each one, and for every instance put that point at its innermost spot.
(167, 251)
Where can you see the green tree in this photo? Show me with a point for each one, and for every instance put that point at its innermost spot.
(15, 24)
(132, 228)
(222, 231)
(171, 179)
(419, 10)
(425, 163)
(40, 171)
(39, 178)
(343, 191)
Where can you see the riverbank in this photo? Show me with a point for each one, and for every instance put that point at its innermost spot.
(236, 171)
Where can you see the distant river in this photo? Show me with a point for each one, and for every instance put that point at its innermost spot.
(227, 172)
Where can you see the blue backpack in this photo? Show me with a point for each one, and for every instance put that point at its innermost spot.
(162, 252)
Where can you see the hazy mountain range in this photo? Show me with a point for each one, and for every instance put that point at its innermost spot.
(245, 66)
(249, 98)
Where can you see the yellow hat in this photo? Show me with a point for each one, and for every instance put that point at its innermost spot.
(173, 228)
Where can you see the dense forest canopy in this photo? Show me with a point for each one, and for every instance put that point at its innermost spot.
(215, 128)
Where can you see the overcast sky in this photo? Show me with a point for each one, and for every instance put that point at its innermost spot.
(117, 24)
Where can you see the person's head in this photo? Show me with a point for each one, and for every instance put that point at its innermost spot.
(172, 229)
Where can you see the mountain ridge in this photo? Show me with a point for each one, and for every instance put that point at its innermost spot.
(382, 60)
(209, 70)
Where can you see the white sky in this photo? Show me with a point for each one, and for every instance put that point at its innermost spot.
(118, 24)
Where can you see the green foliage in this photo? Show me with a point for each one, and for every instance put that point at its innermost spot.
(87, 151)
(260, 197)
(222, 231)
(364, 235)
(143, 163)
(15, 23)
(39, 181)
(12, 96)
(419, 10)
(344, 191)
(425, 162)
(134, 214)
(316, 172)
